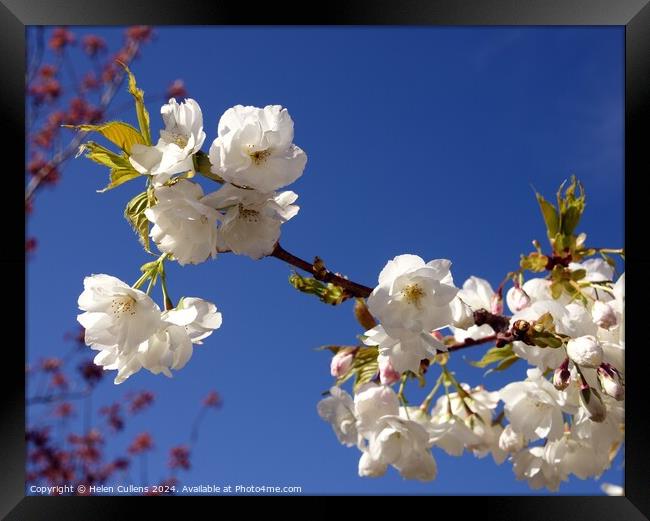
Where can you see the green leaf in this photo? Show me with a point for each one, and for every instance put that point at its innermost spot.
(556, 289)
(364, 368)
(366, 374)
(534, 262)
(506, 362)
(550, 214)
(546, 339)
(134, 213)
(328, 293)
(119, 177)
(570, 219)
(117, 132)
(571, 206)
(545, 323)
(104, 156)
(578, 274)
(203, 166)
(140, 109)
(573, 289)
(493, 355)
(121, 169)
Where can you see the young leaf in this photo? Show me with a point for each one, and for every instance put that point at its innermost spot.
(202, 166)
(493, 355)
(103, 156)
(121, 134)
(535, 262)
(119, 177)
(121, 169)
(550, 214)
(134, 213)
(140, 109)
(506, 362)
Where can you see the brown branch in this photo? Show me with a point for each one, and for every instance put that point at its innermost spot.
(64, 155)
(49, 398)
(318, 270)
(469, 342)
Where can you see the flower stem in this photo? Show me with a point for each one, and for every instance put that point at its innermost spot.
(140, 281)
(427, 401)
(163, 284)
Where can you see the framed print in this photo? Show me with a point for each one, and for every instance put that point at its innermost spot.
(378, 253)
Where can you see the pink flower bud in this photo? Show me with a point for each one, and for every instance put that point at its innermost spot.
(517, 299)
(603, 315)
(611, 381)
(496, 304)
(562, 376)
(341, 362)
(387, 374)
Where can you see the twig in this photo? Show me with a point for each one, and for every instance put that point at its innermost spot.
(321, 273)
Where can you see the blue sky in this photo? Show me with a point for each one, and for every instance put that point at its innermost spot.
(420, 140)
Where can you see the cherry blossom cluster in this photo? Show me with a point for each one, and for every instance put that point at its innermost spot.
(566, 321)
(566, 418)
(252, 156)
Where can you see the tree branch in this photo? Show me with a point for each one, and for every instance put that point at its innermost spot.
(469, 342)
(65, 154)
(318, 270)
(49, 398)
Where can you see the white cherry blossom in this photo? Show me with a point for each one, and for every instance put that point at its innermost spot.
(117, 317)
(338, 410)
(533, 408)
(199, 318)
(252, 220)
(406, 352)
(531, 465)
(182, 137)
(413, 296)
(254, 148)
(475, 294)
(184, 225)
(404, 444)
(510, 440)
(570, 455)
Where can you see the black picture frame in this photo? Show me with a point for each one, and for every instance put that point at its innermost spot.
(634, 15)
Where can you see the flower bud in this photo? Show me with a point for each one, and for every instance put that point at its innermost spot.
(520, 329)
(496, 304)
(461, 314)
(585, 351)
(387, 374)
(517, 299)
(341, 362)
(562, 376)
(611, 381)
(593, 404)
(363, 315)
(603, 315)
(511, 441)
